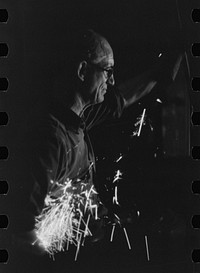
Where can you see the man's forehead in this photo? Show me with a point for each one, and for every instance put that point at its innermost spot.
(107, 61)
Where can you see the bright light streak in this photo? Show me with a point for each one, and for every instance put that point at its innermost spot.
(117, 176)
(112, 233)
(115, 198)
(118, 222)
(147, 248)
(95, 209)
(78, 246)
(127, 239)
(117, 217)
(119, 158)
(141, 122)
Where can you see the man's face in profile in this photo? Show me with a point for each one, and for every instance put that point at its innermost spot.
(100, 77)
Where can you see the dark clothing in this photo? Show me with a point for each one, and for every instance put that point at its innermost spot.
(56, 147)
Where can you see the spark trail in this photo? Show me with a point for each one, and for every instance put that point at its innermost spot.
(140, 122)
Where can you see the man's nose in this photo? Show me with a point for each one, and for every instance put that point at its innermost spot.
(111, 80)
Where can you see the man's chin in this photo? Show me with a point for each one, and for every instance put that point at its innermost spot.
(98, 100)
(101, 99)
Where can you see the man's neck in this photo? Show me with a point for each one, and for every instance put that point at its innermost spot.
(79, 106)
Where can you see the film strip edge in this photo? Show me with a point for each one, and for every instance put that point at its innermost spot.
(4, 120)
(195, 136)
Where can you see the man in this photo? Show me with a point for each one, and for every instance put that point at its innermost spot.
(56, 185)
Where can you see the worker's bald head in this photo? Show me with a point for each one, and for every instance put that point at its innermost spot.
(96, 47)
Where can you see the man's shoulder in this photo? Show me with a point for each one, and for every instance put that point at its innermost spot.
(43, 115)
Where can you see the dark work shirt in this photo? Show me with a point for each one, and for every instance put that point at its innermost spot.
(56, 147)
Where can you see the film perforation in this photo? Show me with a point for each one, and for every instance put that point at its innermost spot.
(196, 84)
(3, 256)
(196, 15)
(3, 118)
(196, 221)
(195, 135)
(3, 50)
(195, 49)
(3, 187)
(3, 153)
(196, 152)
(196, 187)
(3, 15)
(196, 255)
(195, 118)
(3, 221)
(3, 84)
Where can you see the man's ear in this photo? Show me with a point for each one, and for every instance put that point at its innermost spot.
(81, 71)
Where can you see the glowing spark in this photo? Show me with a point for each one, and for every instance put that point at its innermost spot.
(158, 100)
(86, 227)
(112, 233)
(138, 213)
(160, 54)
(78, 247)
(151, 127)
(61, 222)
(67, 245)
(118, 219)
(147, 248)
(117, 176)
(140, 122)
(121, 156)
(115, 198)
(95, 209)
(78, 228)
(127, 239)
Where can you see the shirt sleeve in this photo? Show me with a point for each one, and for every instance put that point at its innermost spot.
(111, 108)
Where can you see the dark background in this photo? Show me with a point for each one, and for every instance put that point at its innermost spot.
(157, 169)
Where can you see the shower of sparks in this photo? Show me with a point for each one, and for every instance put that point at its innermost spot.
(140, 122)
(112, 233)
(147, 248)
(127, 239)
(62, 222)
